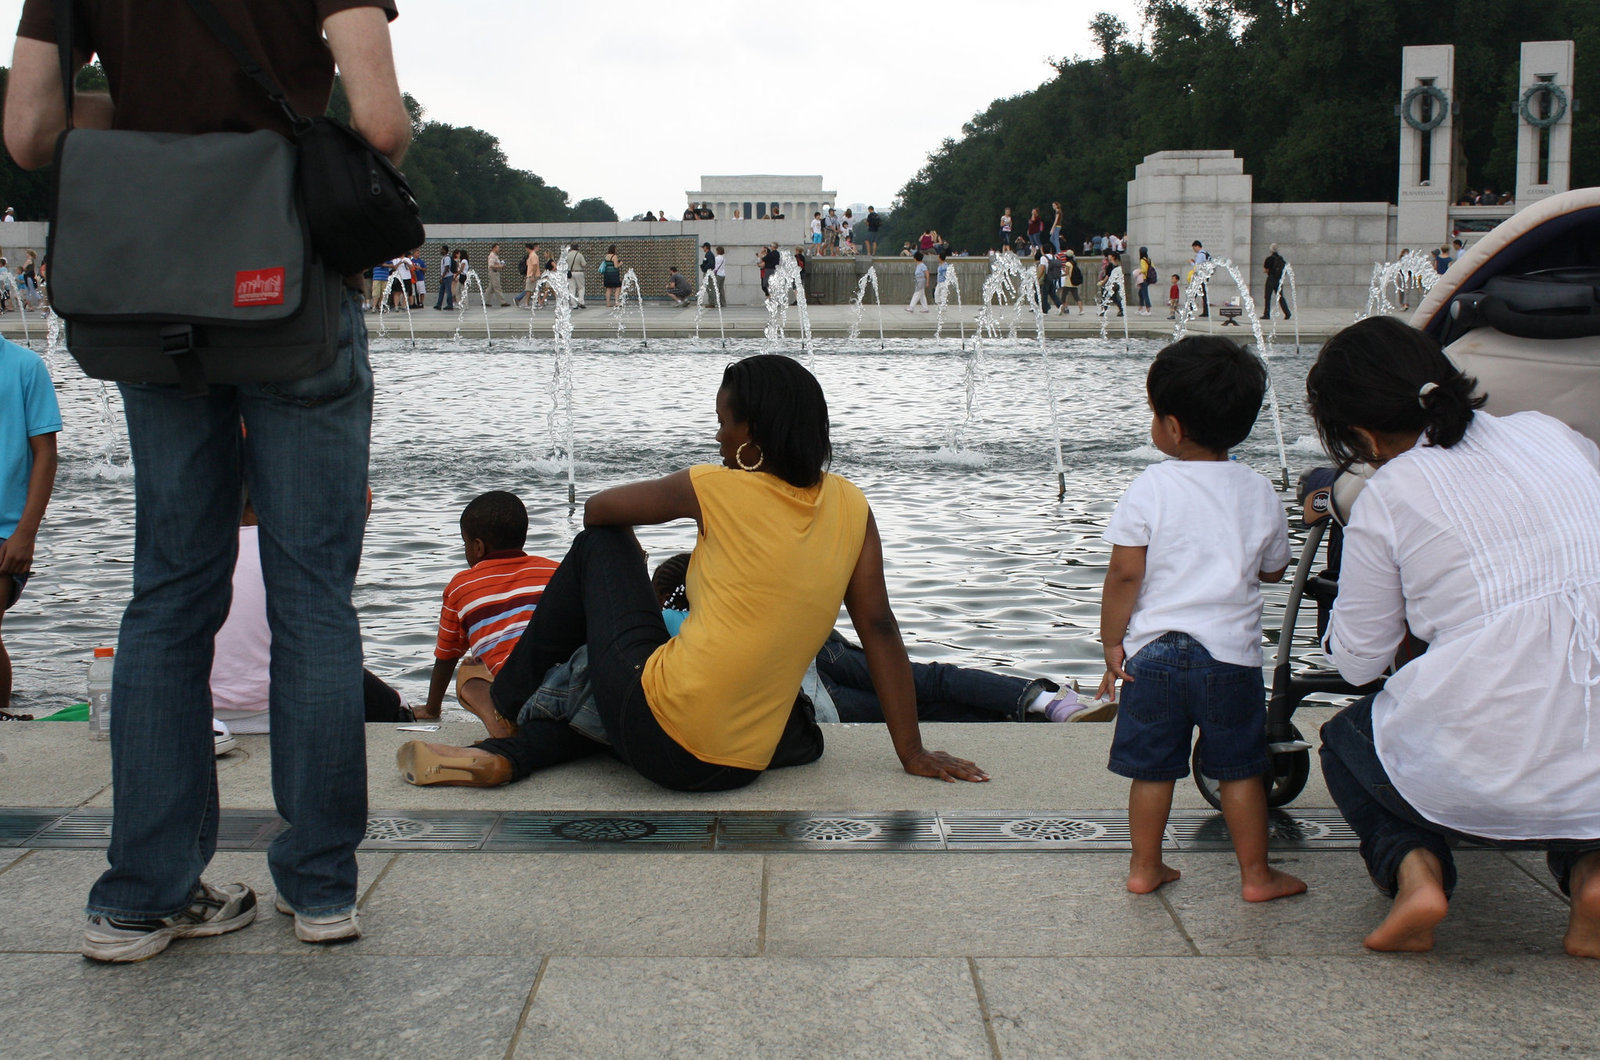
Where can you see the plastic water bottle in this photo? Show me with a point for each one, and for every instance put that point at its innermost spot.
(100, 693)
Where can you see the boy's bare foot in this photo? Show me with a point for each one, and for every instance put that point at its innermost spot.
(1143, 880)
(1274, 884)
(1419, 905)
(1583, 923)
(473, 693)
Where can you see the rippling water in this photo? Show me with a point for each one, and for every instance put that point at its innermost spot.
(985, 566)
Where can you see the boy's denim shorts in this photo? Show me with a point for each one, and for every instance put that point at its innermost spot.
(1177, 685)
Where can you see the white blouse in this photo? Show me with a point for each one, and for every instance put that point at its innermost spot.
(1490, 551)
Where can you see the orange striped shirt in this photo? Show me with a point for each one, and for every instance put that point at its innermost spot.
(487, 606)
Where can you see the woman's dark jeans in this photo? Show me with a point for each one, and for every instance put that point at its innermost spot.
(1389, 827)
(601, 596)
(944, 692)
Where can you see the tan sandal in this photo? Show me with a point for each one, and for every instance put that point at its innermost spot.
(423, 764)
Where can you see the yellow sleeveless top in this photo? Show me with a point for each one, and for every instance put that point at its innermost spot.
(769, 572)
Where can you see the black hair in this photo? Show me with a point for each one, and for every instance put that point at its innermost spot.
(1371, 375)
(788, 417)
(670, 582)
(496, 518)
(1212, 385)
(917, 256)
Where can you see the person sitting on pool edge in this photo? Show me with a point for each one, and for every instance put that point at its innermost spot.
(487, 606)
(710, 709)
(945, 693)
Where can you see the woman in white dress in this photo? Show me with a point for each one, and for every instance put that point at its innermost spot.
(1481, 536)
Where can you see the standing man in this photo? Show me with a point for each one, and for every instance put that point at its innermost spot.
(577, 267)
(1199, 259)
(1273, 267)
(770, 260)
(497, 265)
(708, 265)
(304, 461)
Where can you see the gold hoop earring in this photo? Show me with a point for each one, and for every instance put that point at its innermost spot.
(738, 458)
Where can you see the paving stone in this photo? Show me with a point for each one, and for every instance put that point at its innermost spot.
(588, 903)
(53, 764)
(322, 1002)
(868, 905)
(1496, 910)
(706, 1009)
(44, 895)
(1374, 1005)
(7, 856)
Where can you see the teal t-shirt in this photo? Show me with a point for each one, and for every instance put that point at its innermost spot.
(27, 408)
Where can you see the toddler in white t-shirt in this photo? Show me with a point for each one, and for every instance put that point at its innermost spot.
(1191, 541)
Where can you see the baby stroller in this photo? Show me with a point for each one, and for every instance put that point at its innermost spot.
(1521, 312)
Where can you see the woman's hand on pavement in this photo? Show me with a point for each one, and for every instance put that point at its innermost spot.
(946, 767)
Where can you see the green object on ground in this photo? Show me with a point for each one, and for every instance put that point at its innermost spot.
(76, 712)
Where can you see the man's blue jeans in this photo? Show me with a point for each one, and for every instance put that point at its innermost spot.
(446, 298)
(1389, 827)
(303, 457)
(944, 692)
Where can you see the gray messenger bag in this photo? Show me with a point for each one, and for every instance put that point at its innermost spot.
(185, 260)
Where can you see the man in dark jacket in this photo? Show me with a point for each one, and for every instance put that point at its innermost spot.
(1273, 267)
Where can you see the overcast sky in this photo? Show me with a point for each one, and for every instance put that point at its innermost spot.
(633, 101)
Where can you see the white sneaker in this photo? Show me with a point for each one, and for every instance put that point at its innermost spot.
(223, 737)
(334, 927)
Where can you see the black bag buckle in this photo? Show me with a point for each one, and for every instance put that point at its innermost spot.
(177, 342)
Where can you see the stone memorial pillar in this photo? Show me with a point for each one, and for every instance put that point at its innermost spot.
(1544, 121)
(1176, 197)
(1427, 145)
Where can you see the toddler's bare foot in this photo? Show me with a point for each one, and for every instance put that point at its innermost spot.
(1419, 905)
(1274, 884)
(1583, 923)
(1144, 879)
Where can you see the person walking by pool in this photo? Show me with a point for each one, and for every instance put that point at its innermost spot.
(720, 272)
(919, 284)
(416, 286)
(874, 222)
(305, 460)
(1005, 227)
(532, 270)
(447, 276)
(611, 276)
(1196, 262)
(1072, 279)
(496, 295)
(1174, 293)
(1180, 621)
(404, 292)
(1273, 267)
(29, 424)
(1035, 230)
(1147, 276)
(1055, 229)
(816, 232)
(770, 259)
(577, 276)
(380, 282)
(782, 543)
(1051, 288)
(1479, 535)
(708, 264)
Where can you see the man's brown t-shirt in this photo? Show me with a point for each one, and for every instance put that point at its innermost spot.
(169, 73)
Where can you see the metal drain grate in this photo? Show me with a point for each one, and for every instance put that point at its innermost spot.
(427, 831)
(780, 831)
(1011, 831)
(1309, 829)
(80, 828)
(18, 826)
(566, 831)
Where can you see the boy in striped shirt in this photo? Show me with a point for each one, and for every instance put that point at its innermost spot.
(488, 605)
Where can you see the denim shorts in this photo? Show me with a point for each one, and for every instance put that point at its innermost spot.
(1177, 685)
(18, 583)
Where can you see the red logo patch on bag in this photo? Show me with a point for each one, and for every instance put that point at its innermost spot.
(258, 287)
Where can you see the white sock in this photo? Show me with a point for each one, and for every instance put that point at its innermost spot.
(1047, 697)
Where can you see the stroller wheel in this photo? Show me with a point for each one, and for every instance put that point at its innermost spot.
(1286, 776)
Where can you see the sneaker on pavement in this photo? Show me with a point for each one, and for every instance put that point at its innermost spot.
(1095, 710)
(223, 737)
(213, 911)
(334, 927)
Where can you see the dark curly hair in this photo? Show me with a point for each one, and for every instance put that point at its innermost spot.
(669, 582)
(787, 415)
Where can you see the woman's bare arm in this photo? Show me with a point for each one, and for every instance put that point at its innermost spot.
(867, 599)
(658, 500)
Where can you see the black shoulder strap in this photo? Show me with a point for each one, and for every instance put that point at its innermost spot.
(64, 49)
(223, 32)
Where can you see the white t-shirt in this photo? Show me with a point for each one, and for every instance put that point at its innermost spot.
(816, 226)
(1490, 552)
(240, 668)
(721, 267)
(402, 268)
(1209, 527)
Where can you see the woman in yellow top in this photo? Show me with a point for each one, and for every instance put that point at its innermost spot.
(781, 544)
